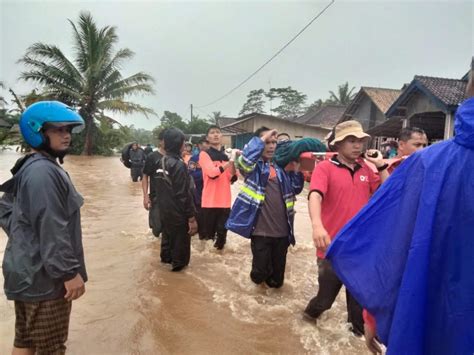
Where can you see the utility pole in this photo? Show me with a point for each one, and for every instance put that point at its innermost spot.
(191, 112)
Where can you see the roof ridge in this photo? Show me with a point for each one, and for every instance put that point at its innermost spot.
(435, 77)
(378, 88)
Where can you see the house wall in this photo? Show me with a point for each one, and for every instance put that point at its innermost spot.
(227, 140)
(368, 114)
(296, 131)
(420, 103)
(362, 114)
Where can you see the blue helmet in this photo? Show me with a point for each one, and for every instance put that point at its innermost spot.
(51, 112)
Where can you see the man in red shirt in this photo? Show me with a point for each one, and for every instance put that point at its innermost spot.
(410, 140)
(339, 188)
(218, 173)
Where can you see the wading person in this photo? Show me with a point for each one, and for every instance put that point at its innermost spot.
(43, 265)
(137, 162)
(339, 188)
(264, 208)
(218, 174)
(175, 201)
(196, 173)
(412, 269)
(148, 187)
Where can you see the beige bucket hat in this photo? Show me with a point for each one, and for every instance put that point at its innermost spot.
(346, 129)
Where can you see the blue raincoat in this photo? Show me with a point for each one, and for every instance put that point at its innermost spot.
(408, 256)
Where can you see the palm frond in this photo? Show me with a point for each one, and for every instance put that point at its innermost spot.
(125, 107)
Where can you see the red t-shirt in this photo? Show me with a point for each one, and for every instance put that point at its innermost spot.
(344, 192)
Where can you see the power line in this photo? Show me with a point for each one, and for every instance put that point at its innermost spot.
(273, 57)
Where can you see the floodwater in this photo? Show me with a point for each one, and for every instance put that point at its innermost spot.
(134, 305)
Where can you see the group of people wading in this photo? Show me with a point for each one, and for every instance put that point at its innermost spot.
(400, 239)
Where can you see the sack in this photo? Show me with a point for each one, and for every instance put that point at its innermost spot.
(125, 158)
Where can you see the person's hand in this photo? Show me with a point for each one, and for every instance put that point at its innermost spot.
(268, 134)
(293, 166)
(234, 155)
(146, 202)
(193, 226)
(375, 157)
(321, 237)
(75, 288)
(370, 341)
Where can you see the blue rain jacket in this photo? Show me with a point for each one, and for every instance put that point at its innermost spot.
(408, 256)
(249, 201)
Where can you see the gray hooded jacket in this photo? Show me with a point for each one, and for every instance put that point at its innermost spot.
(44, 246)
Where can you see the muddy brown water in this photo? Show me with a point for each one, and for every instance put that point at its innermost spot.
(135, 305)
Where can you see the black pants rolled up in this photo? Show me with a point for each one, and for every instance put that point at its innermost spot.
(329, 287)
(269, 260)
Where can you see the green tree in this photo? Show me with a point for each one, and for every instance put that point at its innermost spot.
(2, 99)
(197, 125)
(172, 119)
(292, 102)
(214, 118)
(92, 81)
(344, 95)
(255, 103)
(315, 105)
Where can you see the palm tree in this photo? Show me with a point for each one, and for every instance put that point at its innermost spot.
(92, 82)
(214, 118)
(344, 95)
(2, 99)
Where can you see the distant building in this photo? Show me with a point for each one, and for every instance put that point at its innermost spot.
(428, 103)
(324, 117)
(239, 131)
(370, 105)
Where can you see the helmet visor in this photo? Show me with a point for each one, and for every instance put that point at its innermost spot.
(74, 126)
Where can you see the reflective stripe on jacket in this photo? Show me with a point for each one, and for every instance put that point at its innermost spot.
(249, 201)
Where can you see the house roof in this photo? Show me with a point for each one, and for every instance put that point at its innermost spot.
(446, 93)
(252, 115)
(231, 130)
(383, 98)
(224, 121)
(325, 116)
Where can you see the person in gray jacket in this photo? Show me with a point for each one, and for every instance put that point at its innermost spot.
(137, 162)
(43, 264)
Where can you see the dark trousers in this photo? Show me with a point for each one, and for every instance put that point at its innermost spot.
(200, 222)
(154, 219)
(175, 245)
(136, 172)
(213, 225)
(329, 286)
(269, 260)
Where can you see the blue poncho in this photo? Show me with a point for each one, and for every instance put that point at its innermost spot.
(408, 256)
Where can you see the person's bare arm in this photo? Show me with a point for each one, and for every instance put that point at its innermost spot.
(146, 197)
(321, 237)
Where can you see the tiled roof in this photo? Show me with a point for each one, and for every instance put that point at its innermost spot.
(224, 121)
(325, 116)
(450, 91)
(381, 97)
(232, 130)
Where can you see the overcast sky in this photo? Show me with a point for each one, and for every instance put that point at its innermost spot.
(197, 50)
